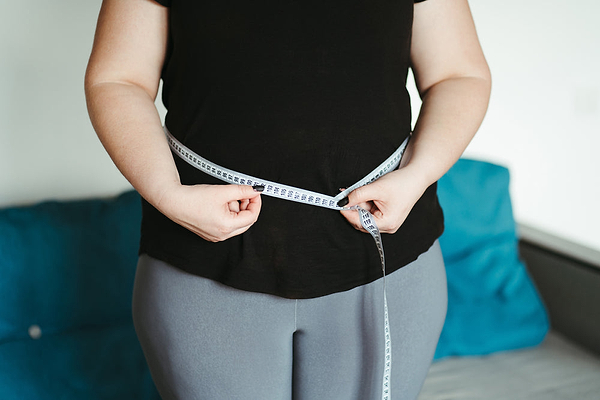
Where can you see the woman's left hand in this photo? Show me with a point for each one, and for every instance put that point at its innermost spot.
(390, 199)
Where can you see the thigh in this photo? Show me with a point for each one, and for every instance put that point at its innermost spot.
(334, 345)
(339, 344)
(203, 340)
(418, 300)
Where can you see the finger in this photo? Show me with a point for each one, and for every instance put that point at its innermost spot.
(234, 206)
(254, 205)
(390, 221)
(240, 192)
(239, 220)
(244, 204)
(362, 194)
(353, 218)
(235, 225)
(376, 212)
(248, 216)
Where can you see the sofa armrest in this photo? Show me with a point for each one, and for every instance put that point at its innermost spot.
(567, 276)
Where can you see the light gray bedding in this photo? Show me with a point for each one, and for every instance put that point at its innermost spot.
(555, 370)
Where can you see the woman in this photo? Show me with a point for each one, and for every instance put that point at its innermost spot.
(243, 296)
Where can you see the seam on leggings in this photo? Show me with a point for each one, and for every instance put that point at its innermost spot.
(296, 315)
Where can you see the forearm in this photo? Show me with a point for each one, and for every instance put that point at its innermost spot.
(451, 114)
(129, 127)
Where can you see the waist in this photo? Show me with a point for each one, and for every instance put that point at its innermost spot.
(322, 166)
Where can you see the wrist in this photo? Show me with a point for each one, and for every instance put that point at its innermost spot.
(162, 195)
(418, 176)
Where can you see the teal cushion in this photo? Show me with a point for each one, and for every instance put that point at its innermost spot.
(66, 265)
(68, 268)
(91, 364)
(493, 304)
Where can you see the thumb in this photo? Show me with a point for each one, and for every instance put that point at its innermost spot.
(360, 195)
(242, 192)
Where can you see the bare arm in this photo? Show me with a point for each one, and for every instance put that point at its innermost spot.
(121, 85)
(454, 81)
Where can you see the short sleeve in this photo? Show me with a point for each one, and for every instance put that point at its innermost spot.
(419, 1)
(167, 3)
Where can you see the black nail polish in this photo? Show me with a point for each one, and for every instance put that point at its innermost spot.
(343, 202)
(258, 188)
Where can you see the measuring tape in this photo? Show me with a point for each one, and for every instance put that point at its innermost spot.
(292, 193)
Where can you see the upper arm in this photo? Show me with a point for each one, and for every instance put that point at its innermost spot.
(445, 43)
(130, 44)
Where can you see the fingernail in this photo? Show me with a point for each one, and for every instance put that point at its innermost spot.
(258, 188)
(343, 202)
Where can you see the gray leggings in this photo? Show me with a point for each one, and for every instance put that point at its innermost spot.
(207, 341)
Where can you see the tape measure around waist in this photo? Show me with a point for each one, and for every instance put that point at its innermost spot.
(292, 193)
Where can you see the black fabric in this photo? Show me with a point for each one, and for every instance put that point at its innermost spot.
(306, 93)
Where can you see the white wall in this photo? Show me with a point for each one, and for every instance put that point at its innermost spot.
(48, 148)
(543, 122)
(544, 117)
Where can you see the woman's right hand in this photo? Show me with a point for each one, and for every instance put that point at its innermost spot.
(213, 212)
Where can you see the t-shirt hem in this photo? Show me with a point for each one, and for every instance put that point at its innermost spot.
(247, 281)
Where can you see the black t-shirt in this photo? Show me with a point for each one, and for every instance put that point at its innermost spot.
(307, 93)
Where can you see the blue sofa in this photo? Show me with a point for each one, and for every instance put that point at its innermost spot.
(67, 271)
(66, 274)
